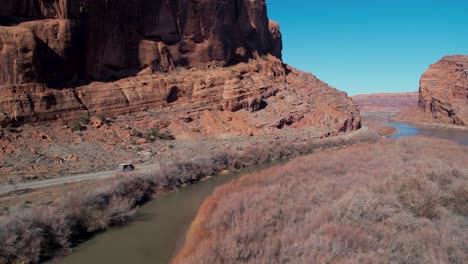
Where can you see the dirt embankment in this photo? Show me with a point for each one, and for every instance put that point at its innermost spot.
(400, 201)
(385, 130)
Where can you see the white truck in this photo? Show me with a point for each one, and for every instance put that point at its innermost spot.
(124, 167)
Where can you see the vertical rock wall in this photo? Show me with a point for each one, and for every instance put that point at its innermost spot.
(443, 90)
(58, 42)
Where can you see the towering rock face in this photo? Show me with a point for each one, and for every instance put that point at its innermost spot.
(58, 41)
(62, 58)
(443, 90)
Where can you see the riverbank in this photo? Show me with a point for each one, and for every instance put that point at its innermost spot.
(157, 229)
(459, 136)
(386, 130)
(151, 155)
(398, 201)
(431, 124)
(39, 233)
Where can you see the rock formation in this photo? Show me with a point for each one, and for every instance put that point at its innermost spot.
(443, 90)
(250, 86)
(58, 41)
(62, 58)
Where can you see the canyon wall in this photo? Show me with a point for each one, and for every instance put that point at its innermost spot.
(279, 97)
(60, 59)
(443, 90)
(59, 41)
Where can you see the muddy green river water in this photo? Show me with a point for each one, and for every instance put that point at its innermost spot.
(155, 231)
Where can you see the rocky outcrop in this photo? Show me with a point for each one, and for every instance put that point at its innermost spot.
(443, 90)
(292, 98)
(60, 59)
(67, 40)
(320, 103)
(46, 51)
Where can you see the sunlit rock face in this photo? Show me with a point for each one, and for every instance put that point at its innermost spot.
(60, 59)
(443, 90)
(56, 41)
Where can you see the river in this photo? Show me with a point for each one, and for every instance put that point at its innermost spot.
(404, 130)
(155, 231)
(153, 234)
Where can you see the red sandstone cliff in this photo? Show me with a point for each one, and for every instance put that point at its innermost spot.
(131, 45)
(103, 40)
(443, 90)
(285, 99)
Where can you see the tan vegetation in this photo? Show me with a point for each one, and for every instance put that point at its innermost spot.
(402, 201)
(39, 233)
(385, 130)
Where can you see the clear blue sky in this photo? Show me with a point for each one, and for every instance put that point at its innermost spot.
(368, 46)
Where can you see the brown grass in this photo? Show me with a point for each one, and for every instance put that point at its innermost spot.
(39, 233)
(403, 201)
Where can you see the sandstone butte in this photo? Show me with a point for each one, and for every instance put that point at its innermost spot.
(62, 58)
(443, 90)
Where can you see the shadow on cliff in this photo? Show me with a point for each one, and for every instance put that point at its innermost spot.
(8, 21)
(58, 70)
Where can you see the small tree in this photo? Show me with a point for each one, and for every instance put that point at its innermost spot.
(76, 126)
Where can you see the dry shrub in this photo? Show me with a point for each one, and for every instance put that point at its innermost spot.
(33, 235)
(398, 201)
(456, 197)
(38, 234)
(420, 195)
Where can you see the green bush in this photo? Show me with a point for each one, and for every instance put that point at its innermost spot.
(76, 126)
(136, 133)
(156, 134)
(84, 118)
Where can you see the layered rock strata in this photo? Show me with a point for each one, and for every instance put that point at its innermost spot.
(292, 97)
(62, 58)
(59, 42)
(443, 90)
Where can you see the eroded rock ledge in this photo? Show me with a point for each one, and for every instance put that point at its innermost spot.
(443, 90)
(61, 42)
(287, 96)
(62, 58)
